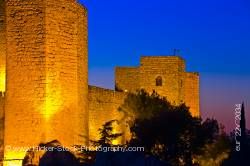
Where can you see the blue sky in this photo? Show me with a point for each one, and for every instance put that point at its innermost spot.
(213, 36)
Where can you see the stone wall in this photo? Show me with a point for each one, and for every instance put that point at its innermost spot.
(178, 86)
(46, 97)
(2, 72)
(2, 47)
(170, 69)
(1, 125)
(127, 78)
(192, 91)
(26, 76)
(66, 70)
(103, 107)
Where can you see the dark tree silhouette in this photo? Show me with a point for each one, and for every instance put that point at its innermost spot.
(58, 156)
(240, 157)
(166, 131)
(216, 148)
(107, 135)
(243, 126)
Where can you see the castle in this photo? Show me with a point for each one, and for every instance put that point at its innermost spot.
(44, 87)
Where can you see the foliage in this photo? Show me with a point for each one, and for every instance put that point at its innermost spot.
(107, 135)
(88, 156)
(239, 155)
(85, 156)
(142, 105)
(166, 131)
(215, 152)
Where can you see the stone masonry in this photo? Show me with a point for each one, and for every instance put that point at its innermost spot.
(2, 47)
(44, 92)
(47, 69)
(178, 86)
(103, 106)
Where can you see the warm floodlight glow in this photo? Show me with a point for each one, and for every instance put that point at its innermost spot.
(116, 129)
(13, 163)
(53, 99)
(14, 157)
(2, 79)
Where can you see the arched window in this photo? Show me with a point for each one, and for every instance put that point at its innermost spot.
(158, 81)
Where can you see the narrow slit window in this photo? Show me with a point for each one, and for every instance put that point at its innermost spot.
(158, 81)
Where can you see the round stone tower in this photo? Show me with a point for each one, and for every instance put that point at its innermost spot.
(47, 75)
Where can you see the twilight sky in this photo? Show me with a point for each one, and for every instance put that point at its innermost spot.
(213, 36)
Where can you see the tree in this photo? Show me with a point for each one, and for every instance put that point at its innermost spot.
(50, 154)
(217, 148)
(243, 136)
(107, 135)
(142, 105)
(166, 131)
(240, 156)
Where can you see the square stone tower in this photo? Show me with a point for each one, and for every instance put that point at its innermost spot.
(164, 74)
(47, 70)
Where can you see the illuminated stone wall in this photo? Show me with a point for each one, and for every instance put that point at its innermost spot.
(192, 92)
(178, 86)
(127, 78)
(46, 97)
(103, 107)
(66, 75)
(170, 69)
(2, 47)
(2, 72)
(2, 99)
